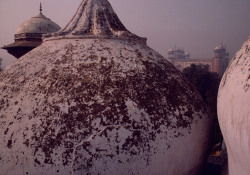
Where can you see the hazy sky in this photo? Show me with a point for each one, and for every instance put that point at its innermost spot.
(198, 26)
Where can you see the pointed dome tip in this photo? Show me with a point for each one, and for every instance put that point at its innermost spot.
(95, 19)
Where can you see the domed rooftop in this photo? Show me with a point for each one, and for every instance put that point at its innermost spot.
(171, 50)
(219, 47)
(187, 54)
(95, 99)
(37, 25)
(29, 34)
(234, 111)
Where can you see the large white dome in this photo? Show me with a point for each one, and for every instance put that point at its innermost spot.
(234, 111)
(95, 99)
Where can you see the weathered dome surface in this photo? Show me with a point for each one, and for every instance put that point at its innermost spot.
(99, 106)
(234, 110)
(38, 24)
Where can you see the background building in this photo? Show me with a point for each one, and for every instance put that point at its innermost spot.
(178, 54)
(181, 59)
(29, 34)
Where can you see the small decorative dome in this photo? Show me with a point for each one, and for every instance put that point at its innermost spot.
(171, 50)
(29, 34)
(187, 54)
(219, 47)
(37, 25)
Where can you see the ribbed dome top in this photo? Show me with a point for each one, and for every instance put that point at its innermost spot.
(38, 24)
(95, 18)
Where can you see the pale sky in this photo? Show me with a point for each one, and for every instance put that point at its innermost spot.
(198, 26)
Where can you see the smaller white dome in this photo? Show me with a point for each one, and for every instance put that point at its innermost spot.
(187, 54)
(170, 50)
(220, 47)
(38, 24)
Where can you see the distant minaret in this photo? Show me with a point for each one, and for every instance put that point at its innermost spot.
(220, 60)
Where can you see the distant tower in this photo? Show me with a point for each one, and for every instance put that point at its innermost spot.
(171, 53)
(187, 55)
(29, 34)
(220, 60)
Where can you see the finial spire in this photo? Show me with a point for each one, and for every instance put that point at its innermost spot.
(41, 8)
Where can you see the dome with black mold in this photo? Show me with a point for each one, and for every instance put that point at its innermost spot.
(95, 99)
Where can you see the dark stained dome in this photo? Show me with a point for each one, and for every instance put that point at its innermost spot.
(92, 101)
